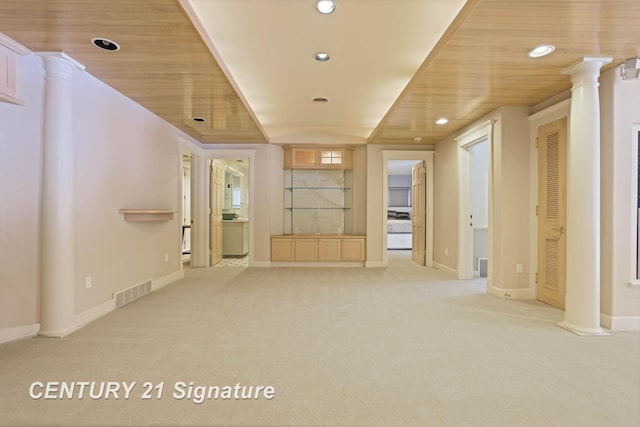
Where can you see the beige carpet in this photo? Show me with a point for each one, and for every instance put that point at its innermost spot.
(401, 346)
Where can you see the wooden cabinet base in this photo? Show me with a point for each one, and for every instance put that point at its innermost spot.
(320, 249)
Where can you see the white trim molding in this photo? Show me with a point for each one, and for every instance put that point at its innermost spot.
(88, 316)
(620, 323)
(428, 157)
(634, 272)
(9, 43)
(18, 332)
(446, 269)
(166, 280)
(526, 293)
(481, 132)
(536, 120)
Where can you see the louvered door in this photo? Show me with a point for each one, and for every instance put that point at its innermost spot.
(552, 212)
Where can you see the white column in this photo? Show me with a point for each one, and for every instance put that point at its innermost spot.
(582, 300)
(57, 268)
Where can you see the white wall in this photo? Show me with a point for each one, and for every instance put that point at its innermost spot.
(125, 157)
(20, 183)
(510, 209)
(620, 110)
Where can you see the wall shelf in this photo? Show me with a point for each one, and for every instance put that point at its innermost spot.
(147, 215)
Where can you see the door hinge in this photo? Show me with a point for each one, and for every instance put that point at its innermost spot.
(536, 278)
(537, 207)
(536, 142)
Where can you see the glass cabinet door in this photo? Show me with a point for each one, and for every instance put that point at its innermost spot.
(317, 201)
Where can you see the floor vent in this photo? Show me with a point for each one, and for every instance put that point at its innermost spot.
(483, 267)
(133, 293)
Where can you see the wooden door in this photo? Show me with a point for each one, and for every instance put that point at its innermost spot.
(215, 226)
(418, 217)
(552, 212)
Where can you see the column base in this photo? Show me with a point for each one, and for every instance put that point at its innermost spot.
(56, 333)
(582, 331)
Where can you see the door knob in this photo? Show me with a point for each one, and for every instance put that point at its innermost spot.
(560, 230)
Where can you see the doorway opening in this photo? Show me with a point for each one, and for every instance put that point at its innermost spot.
(407, 234)
(399, 206)
(229, 218)
(474, 206)
(479, 207)
(187, 206)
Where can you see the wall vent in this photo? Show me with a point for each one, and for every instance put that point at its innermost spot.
(128, 295)
(483, 267)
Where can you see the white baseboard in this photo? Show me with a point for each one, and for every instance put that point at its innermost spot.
(527, 293)
(88, 316)
(446, 269)
(620, 323)
(19, 332)
(166, 280)
(260, 264)
(93, 313)
(316, 264)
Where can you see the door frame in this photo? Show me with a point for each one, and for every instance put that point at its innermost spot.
(480, 133)
(234, 154)
(427, 157)
(635, 214)
(536, 120)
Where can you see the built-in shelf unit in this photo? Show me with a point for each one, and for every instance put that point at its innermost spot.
(318, 217)
(317, 201)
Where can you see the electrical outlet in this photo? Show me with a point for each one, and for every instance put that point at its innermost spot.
(446, 251)
(518, 268)
(166, 257)
(88, 282)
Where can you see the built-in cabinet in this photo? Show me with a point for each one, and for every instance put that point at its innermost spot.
(318, 158)
(318, 201)
(10, 51)
(312, 248)
(318, 218)
(235, 237)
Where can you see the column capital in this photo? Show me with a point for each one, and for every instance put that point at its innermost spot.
(62, 57)
(587, 70)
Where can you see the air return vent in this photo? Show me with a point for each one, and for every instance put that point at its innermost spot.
(483, 267)
(125, 296)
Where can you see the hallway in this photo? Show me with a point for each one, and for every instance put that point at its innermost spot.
(402, 345)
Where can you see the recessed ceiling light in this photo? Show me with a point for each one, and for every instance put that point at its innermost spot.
(325, 6)
(542, 50)
(442, 121)
(320, 100)
(199, 119)
(105, 44)
(322, 56)
(418, 139)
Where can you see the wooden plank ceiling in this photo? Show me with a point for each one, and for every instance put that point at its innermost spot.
(479, 64)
